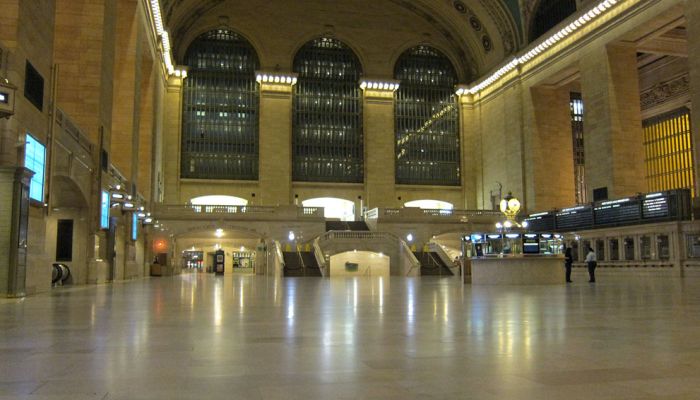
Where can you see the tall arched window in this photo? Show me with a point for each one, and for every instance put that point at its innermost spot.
(327, 127)
(548, 14)
(220, 108)
(427, 120)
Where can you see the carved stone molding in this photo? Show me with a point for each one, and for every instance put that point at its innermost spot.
(665, 91)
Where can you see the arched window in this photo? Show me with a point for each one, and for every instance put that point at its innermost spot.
(427, 129)
(220, 108)
(548, 14)
(327, 129)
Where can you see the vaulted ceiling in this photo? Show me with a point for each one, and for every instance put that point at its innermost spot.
(476, 34)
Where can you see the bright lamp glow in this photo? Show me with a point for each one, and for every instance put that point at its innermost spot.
(333, 207)
(409, 237)
(430, 204)
(218, 200)
(291, 236)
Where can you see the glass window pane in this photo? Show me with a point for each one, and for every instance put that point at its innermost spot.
(426, 119)
(327, 140)
(220, 108)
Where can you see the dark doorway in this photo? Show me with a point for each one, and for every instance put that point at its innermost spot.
(64, 240)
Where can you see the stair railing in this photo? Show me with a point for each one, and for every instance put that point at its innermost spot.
(320, 258)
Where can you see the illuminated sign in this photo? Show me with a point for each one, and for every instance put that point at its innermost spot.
(35, 160)
(104, 210)
(134, 227)
(4, 98)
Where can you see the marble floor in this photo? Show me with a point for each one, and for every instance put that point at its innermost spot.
(197, 336)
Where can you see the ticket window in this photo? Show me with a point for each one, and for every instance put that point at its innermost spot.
(614, 249)
(575, 251)
(645, 247)
(663, 247)
(600, 249)
(628, 245)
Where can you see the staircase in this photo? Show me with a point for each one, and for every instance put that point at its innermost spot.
(431, 264)
(346, 226)
(301, 263)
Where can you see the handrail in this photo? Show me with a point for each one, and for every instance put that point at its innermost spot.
(411, 257)
(373, 235)
(320, 259)
(279, 256)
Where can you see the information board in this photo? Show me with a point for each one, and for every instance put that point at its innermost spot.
(656, 205)
(616, 212)
(531, 243)
(575, 218)
(540, 222)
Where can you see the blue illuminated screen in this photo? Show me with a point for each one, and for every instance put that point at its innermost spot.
(134, 226)
(104, 210)
(35, 160)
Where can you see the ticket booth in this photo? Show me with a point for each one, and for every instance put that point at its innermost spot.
(219, 262)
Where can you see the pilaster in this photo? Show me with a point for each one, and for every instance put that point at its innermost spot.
(378, 122)
(613, 136)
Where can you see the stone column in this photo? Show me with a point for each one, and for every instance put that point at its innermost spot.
(692, 16)
(613, 136)
(550, 181)
(378, 121)
(172, 136)
(275, 160)
(470, 166)
(124, 138)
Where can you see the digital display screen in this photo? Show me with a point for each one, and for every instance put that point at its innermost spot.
(104, 210)
(4, 98)
(580, 217)
(35, 160)
(531, 243)
(134, 226)
(617, 211)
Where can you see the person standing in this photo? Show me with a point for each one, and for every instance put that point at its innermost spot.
(592, 262)
(568, 262)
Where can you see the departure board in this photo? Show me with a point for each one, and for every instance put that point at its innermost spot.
(656, 205)
(541, 222)
(575, 218)
(616, 212)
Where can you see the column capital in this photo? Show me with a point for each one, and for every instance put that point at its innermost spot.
(279, 82)
(379, 88)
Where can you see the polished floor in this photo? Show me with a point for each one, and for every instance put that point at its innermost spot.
(247, 337)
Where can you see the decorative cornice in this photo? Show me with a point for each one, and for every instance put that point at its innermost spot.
(665, 91)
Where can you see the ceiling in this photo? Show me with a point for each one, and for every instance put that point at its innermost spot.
(476, 34)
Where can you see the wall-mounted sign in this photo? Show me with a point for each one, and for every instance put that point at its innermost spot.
(104, 210)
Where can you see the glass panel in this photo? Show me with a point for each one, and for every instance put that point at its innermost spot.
(629, 249)
(668, 151)
(645, 247)
(576, 105)
(663, 247)
(600, 249)
(614, 249)
(426, 119)
(548, 14)
(327, 142)
(220, 109)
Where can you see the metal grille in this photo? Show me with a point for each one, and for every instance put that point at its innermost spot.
(576, 104)
(669, 151)
(427, 130)
(549, 13)
(327, 140)
(220, 109)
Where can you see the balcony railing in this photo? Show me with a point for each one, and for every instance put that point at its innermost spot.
(423, 213)
(191, 211)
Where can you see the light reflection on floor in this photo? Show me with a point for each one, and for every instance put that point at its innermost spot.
(240, 336)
